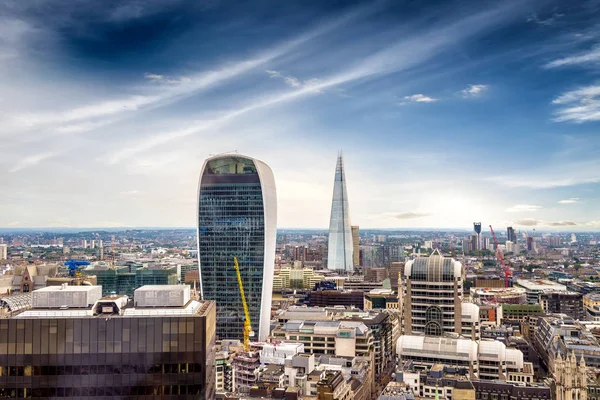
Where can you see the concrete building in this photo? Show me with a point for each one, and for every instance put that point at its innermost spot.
(340, 246)
(340, 338)
(108, 349)
(3, 251)
(534, 287)
(432, 295)
(356, 246)
(569, 303)
(487, 359)
(333, 386)
(237, 217)
(327, 298)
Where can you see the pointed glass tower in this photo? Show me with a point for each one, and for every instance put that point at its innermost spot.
(340, 249)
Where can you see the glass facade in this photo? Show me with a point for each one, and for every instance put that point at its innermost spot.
(231, 223)
(340, 247)
(117, 357)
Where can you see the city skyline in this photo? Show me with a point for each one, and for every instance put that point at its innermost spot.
(447, 113)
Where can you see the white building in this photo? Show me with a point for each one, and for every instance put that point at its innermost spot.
(486, 359)
(3, 251)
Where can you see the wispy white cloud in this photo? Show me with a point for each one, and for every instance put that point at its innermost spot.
(402, 55)
(293, 81)
(523, 208)
(405, 215)
(419, 98)
(579, 105)
(572, 200)
(31, 161)
(474, 90)
(536, 222)
(545, 21)
(174, 89)
(591, 56)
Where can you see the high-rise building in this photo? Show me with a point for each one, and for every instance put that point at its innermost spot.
(355, 245)
(237, 217)
(474, 242)
(530, 243)
(433, 294)
(477, 228)
(340, 248)
(162, 347)
(3, 251)
(511, 235)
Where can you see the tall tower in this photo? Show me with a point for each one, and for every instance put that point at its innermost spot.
(477, 228)
(340, 249)
(237, 216)
(432, 295)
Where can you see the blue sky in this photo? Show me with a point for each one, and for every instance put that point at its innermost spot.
(447, 112)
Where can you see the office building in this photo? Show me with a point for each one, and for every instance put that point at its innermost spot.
(340, 248)
(3, 251)
(75, 343)
(530, 243)
(486, 359)
(396, 270)
(328, 298)
(511, 234)
(237, 217)
(355, 246)
(569, 303)
(340, 338)
(432, 295)
(535, 287)
(477, 228)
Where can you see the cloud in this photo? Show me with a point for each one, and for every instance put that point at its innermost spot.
(562, 223)
(590, 57)
(579, 105)
(419, 98)
(130, 193)
(404, 215)
(295, 82)
(547, 21)
(31, 161)
(165, 79)
(162, 95)
(402, 55)
(569, 201)
(534, 222)
(523, 208)
(473, 90)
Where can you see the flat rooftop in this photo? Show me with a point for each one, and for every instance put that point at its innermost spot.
(540, 285)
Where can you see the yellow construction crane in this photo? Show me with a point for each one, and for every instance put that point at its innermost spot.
(247, 325)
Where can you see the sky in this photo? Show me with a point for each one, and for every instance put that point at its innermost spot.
(446, 112)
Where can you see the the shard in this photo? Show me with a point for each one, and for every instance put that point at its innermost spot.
(340, 249)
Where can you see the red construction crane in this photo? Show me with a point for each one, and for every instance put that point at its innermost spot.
(500, 257)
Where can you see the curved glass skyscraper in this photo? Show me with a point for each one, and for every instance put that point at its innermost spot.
(237, 216)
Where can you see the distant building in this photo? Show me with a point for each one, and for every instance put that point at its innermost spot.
(3, 251)
(530, 243)
(535, 287)
(75, 343)
(327, 298)
(237, 217)
(569, 303)
(511, 234)
(356, 245)
(340, 248)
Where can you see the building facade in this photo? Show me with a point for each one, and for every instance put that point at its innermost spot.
(341, 247)
(432, 295)
(237, 217)
(108, 349)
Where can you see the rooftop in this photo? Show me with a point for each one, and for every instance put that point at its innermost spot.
(540, 285)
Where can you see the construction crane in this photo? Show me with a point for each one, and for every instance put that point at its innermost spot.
(500, 258)
(247, 325)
